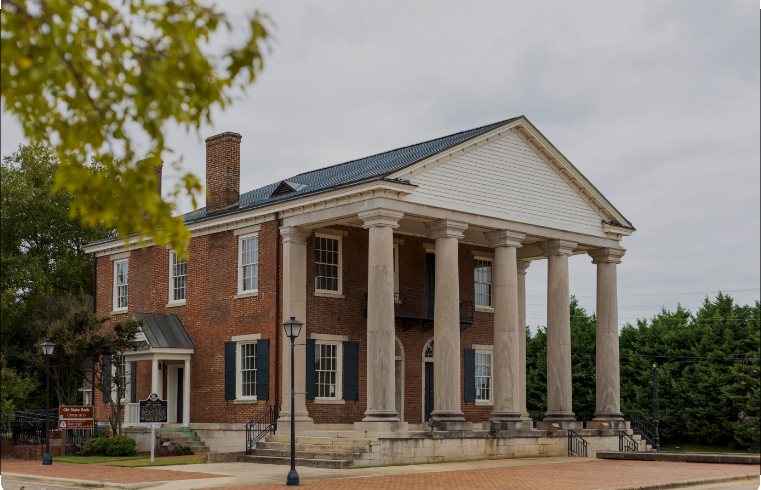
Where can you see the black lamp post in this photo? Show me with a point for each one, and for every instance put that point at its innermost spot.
(657, 446)
(292, 329)
(47, 349)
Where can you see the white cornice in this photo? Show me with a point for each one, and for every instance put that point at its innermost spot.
(232, 221)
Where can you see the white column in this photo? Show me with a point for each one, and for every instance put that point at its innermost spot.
(447, 391)
(506, 374)
(186, 394)
(155, 373)
(607, 365)
(559, 387)
(523, 265)
(295, 305)
(381, 410)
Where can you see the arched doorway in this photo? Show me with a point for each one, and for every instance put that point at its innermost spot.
(399, 378)
(428, 380)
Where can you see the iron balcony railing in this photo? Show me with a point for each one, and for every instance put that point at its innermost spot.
(626, 442)
(264, 423)
(414, 308)
(641, 425)
(577, 446)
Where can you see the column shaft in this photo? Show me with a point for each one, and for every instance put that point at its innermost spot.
(295, 305)
(381, 326)
(446, 331)
(607, 366)
(559, 384)
(155, 373)
(186, 395)
(522, 266)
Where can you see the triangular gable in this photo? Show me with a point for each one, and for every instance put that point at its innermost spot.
(514, 173)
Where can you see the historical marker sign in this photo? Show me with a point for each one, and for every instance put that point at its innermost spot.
(153, 410)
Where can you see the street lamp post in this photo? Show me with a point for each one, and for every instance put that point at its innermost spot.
(657, 445)
(292, 329)
(47, 349)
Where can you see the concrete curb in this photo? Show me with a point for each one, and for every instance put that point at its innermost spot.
(82, 483)
(685, 483)
(721, 458)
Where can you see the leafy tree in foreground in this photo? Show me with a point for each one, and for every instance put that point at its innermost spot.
(93, 77)
(15, 389)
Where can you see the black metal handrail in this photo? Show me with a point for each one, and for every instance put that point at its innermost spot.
(264, 423)
(420, 308)
(641, 425)
(626, 442)
(577, 446)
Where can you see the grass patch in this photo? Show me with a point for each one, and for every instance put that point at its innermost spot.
(96, 459)
(164, 462)
(699, 448)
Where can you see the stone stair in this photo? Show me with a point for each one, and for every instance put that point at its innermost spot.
(183, 436)
(642, 443)
(315, 452)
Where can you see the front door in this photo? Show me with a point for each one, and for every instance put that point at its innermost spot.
(180, 393)
(428, 390)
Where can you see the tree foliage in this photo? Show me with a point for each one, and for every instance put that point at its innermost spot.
(96, 77)
(15, 388)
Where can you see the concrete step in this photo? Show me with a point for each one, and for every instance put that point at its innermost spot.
(312, 463)
(312, 447)
(283, 453)
(300, 439)
(177, 435)
(179, 440)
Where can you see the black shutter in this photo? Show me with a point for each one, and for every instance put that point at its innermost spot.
(470, 375)
(133, 383)
(106, 379)
(351, 370)
(263, 369)
(311, 346)
(229, 370)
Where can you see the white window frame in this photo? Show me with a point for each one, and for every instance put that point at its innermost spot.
(396, 268)
(240, 263)
(239, 371)
(116, 287)
(490, 353)
(340, 263)
(172, 255)
(491, 289)
(126, 382)
(339, 371)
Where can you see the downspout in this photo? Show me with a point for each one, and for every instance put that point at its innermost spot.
(277, 310)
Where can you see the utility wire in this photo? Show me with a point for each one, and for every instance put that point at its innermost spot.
(655, 294)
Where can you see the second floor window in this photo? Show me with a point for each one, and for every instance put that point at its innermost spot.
(121, 280)
(327, 264)
(483, 282)
(249, 264)
(178, 278)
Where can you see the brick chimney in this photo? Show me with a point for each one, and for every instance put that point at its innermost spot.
(222, 171)
(158, 171)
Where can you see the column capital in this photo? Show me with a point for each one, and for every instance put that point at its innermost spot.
(505, 238)
(557, 247)
(606, 255)
(446, 228)
(381, 217)
(522, 266)
(291, 234)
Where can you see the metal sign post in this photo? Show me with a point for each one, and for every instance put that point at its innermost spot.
(153, 440)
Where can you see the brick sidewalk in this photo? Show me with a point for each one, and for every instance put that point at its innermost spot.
(97, 472)
(584, 475)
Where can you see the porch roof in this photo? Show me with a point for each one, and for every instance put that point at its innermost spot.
(163, 331)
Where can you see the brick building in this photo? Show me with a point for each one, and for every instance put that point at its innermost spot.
(383, 259)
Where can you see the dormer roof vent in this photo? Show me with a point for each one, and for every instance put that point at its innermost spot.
(286, 187)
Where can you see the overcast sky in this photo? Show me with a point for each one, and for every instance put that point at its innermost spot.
(657, 103)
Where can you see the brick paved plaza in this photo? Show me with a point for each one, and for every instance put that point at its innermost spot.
(529, 474)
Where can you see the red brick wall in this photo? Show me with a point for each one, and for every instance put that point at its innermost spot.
(212, 316)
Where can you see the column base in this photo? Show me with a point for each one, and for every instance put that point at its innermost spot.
(378, 426)
(302, 421)
(525, 417)
(612, 424)
(564, 424)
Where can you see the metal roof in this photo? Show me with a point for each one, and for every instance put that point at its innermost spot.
(162, 331)
(374, 167)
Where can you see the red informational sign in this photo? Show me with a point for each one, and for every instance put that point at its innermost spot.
(75, 413)
(75, 424)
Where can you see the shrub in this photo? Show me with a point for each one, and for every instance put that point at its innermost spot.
(176, 451)
(110, 446)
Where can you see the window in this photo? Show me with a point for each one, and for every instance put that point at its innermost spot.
(396, 268)
(248, 272)
(178, 273)
(247, 370)
(483, 376)
(327, 370)
(327, 264)
(483, 282)
(120, 380)
(121, 276)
